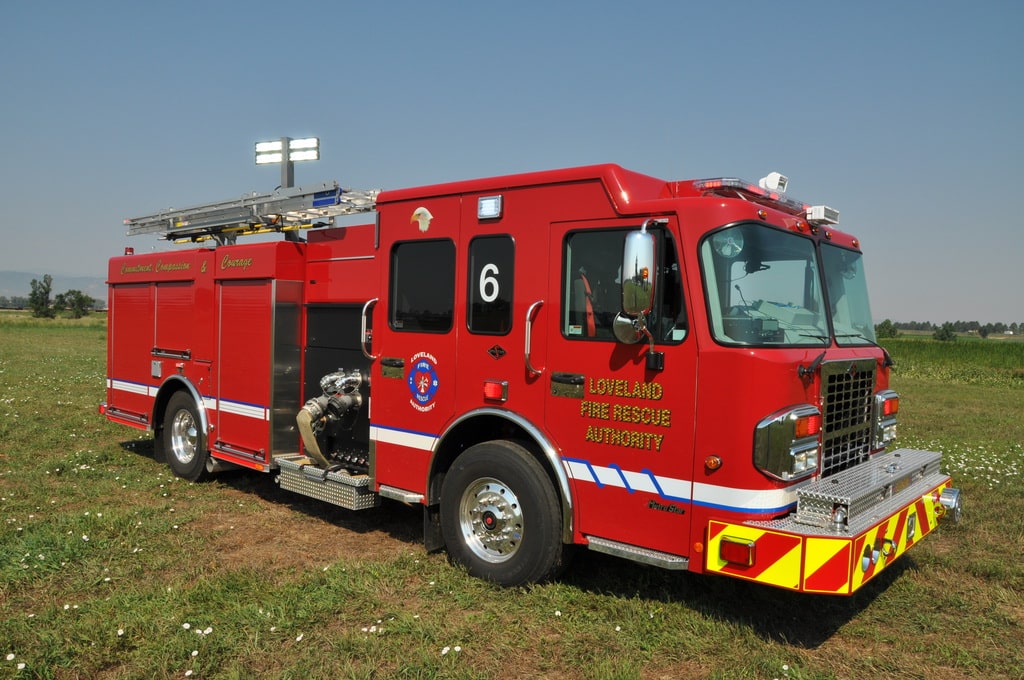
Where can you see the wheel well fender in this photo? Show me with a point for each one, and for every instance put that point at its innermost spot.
(171, 386)
(490, 424)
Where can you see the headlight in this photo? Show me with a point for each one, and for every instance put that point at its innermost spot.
(787, 444)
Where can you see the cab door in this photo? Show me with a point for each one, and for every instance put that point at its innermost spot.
(506, 310)
(413, 339)
(625, 431)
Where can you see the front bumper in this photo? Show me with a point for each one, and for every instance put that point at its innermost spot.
(847, 528)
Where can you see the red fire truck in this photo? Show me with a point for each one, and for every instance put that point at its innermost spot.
(681, 373)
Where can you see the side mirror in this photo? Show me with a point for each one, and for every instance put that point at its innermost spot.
(638, 263)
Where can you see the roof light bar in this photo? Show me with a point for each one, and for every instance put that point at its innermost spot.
(730, 185)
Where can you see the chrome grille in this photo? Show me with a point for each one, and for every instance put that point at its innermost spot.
(847, 397)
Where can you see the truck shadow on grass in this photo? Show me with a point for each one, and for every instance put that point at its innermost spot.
(400, 522)
(392, 519)
(801, 620)
(797, 619)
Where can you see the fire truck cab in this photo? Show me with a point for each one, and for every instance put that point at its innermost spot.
(680, 373)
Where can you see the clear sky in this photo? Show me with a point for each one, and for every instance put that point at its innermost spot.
(905, 116)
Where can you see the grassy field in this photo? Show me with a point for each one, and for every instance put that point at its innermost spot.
(112, 568)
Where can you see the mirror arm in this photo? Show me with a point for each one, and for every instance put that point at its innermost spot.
(652, 220)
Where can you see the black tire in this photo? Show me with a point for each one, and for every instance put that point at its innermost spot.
(183, 440)
(500, 516)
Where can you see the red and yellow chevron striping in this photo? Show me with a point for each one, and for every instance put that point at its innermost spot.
(815, 563)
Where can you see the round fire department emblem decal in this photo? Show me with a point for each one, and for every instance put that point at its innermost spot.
(423, 381)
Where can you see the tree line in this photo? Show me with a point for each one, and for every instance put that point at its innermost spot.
(948, 330)
(76, 303)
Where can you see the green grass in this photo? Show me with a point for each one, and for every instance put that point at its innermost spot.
(965, 361)
(112, 568)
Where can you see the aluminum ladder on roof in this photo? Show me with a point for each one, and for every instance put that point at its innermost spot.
(285, 209)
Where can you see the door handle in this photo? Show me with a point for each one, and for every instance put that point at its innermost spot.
(363, 344)
(529, 332)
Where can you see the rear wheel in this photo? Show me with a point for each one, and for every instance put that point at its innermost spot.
(500, 516)
(183, 439)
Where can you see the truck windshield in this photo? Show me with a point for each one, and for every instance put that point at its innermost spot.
(847, 295)
(763, 287)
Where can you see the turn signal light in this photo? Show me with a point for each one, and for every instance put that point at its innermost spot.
(891, 406)
(807, 426)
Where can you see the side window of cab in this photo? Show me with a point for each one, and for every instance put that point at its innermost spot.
(422, 289)
(592, 286)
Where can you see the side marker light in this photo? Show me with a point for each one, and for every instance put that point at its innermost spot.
(739, 551)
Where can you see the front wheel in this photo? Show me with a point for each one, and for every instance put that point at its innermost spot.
(183, 439)
(500, 516)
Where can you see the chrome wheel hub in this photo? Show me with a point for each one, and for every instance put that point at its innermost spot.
(184, 437)
(491, 520)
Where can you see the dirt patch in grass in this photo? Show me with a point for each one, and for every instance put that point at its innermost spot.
(279, 538)
(282, 531)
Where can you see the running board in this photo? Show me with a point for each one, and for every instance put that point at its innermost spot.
(401, 495)
(299, 474)
(637, 554)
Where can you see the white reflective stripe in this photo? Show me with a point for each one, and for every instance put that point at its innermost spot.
(765, 500)
(234, 407)
(412, 440)
(577, 469)
(134, 388)
(644, 482)
(724, 497)
(246, 410)
(675, 488)
(609, 477)
(667, 487)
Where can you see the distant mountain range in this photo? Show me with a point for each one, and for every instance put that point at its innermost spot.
(19, 284)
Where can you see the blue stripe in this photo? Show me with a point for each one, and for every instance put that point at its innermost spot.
(403, 430)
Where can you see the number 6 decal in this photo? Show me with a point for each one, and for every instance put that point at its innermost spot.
(489, 283)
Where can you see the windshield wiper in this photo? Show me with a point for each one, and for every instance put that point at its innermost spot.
(808, 371)
(888, 359)
(823, 338)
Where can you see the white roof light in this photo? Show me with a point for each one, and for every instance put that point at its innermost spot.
(264, 157)
(265, 147)
(774, 181)
(305, 143)
(488, 207)
(822, 214)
